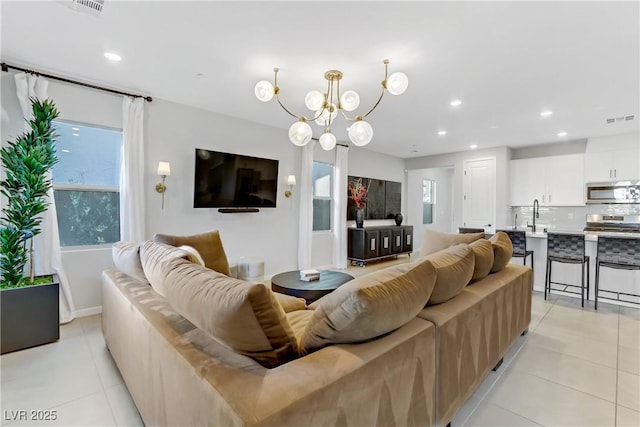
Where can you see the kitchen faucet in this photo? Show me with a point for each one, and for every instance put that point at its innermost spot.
(536, 214)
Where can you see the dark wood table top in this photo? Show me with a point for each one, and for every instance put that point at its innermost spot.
(289, 283)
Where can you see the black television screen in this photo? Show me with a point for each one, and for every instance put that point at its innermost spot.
(225, 180)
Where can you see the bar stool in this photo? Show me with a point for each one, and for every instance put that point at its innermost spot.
(622, 253)
(468, 230)
(566, 248)
(519, 242)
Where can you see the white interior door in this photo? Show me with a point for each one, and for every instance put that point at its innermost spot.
(479, 194)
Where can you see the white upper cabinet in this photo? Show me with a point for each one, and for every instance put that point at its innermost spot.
(612, 158)
(554, 181)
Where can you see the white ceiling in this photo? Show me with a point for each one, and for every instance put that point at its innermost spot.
(507, 61)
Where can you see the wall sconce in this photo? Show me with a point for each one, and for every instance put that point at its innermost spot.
(291, 181)
(164, 170)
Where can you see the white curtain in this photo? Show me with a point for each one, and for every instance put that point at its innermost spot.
(47, 254)
(339, 213)
(305, 231)
(132, 171)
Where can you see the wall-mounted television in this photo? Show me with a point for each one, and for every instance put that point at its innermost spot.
(226, 180)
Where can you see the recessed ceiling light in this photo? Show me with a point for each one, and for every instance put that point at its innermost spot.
(75, 128)
(442, 132)
(473, 146)
(455, 103)
(75, 134)
(66, 151)
(112, 56)
(562, 134)
(493, 127)
(546, 113)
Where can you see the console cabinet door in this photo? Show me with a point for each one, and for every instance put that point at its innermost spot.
(396, 240)
(372, 244)
(385, 242)
(407, 241)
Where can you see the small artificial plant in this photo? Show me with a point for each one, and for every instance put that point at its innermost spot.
(358, 193)
(26, 161)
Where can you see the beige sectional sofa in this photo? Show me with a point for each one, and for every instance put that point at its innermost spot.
(196, 347)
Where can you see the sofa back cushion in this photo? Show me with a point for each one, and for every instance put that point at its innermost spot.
(126, 258)
(369, 306)
(454, 269)
(242, 315)
(434, 241)
(153, 256)
(208, 245)
(502, 250)
(483, 256)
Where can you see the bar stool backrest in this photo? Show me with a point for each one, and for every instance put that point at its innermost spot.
(619, 250)
(518, 240)
(468, 230)
(565, 245)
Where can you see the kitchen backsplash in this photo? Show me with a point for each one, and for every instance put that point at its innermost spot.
(566, 218)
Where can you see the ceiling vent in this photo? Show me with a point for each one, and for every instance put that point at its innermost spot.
(91, 7)
(620, 119)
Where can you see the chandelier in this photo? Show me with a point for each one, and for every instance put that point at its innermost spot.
(325, 107)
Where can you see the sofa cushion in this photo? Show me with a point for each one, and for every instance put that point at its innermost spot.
(434, 241)
(208, 245)
(502, 250)
(483, 256)
(242, 315)
(290, 303)
(369, 306)
(126, 258)
(454, 267)
(153, 256)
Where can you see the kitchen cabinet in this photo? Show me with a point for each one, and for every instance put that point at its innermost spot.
(616, 165)
(554, 181)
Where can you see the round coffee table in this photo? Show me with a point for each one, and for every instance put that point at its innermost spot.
(289, 283)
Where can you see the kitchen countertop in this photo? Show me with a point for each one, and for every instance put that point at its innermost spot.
(591, 236)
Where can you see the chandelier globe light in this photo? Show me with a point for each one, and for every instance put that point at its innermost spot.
(326, 106)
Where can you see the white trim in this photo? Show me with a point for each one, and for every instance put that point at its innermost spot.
(83, 187)
(89, 311)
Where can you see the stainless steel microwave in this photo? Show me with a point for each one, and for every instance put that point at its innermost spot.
(621, 192)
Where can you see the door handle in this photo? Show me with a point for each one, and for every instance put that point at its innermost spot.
(487, 225)
(549, 198)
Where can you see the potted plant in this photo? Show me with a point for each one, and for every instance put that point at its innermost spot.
(29, 306)
(358, 193)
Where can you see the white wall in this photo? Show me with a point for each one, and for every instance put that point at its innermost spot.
(455, 160)
(443, 209)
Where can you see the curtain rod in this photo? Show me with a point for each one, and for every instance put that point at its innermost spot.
(5, 67)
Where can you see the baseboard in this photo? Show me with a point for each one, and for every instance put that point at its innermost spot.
(89, 311)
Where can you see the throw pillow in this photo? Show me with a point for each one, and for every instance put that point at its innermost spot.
(126, 258)
(153, 257)
(208, 245)
(454, 269)
(483, 255)
(369, 306)
(434, 241)
(193, 255)
(502, 250)
(242, 315)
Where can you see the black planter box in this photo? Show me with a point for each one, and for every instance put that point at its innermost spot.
(29, 316)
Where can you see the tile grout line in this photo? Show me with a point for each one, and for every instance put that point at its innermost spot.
(615, 414)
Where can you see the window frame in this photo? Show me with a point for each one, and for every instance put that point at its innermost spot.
(88, 188)
(329, 198)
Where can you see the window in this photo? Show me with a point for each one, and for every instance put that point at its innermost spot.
(86, 184)
(322, 173)
(428, 200)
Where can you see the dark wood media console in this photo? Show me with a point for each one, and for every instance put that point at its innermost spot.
(376, 243)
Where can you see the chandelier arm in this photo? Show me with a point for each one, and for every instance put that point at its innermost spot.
(285, 108)
(375, 105)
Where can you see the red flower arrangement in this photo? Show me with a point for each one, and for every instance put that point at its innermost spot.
(358, 193)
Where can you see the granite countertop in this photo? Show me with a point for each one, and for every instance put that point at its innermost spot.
(588, 235)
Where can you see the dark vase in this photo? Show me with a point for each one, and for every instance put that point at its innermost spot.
(359, 218)
(398, 218)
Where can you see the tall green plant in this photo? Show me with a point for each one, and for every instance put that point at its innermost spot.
(26, 162)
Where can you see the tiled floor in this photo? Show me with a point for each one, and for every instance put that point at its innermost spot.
(576, 367)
